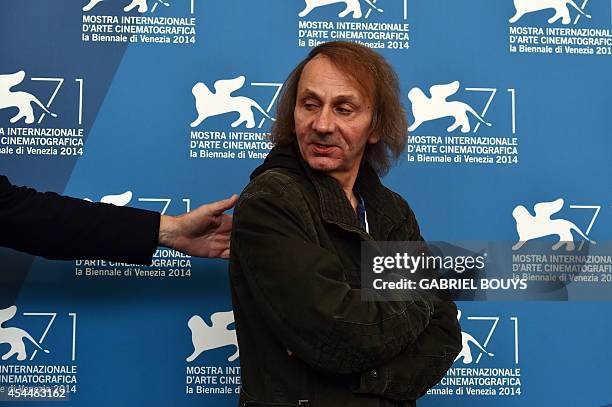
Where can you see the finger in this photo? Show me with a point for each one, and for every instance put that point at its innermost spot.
(221, 206)
(225, 254)
(226, 224)
(221, 241)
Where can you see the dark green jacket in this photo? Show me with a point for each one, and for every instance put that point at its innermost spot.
(303, 330)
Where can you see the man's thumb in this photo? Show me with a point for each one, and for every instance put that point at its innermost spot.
(221, 206)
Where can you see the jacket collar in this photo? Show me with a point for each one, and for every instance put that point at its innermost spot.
(335, 207)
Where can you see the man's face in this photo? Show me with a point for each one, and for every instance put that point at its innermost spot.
(332, 120)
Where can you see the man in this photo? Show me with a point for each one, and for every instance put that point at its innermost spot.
(306, 337)
(60, 227)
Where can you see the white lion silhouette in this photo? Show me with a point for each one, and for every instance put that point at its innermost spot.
(206, 337)
(425, 109)
(560, 6)
(466, 350)
(352, 6)
(211, 104)
(20, 100)
(531, 227)
(15, 336)
(141, 4)
(117, 200)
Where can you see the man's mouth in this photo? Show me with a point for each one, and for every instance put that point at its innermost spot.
(322, 148)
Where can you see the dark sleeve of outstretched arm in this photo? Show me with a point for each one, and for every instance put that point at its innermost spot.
(314, 314)
(64, 228)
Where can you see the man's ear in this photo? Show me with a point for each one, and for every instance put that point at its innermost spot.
(373, 138)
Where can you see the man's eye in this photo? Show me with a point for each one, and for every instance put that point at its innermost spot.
(344, 110)
(310, 106)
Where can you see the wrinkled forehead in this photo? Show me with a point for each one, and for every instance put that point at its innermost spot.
(356, 74)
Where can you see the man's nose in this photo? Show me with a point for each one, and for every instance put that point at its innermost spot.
(324, 121)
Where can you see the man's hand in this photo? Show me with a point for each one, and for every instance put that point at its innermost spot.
(203, 232)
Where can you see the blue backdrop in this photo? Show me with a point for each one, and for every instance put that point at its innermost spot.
(531, 98)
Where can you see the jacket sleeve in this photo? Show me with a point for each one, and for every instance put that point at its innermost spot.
(420, 365)
(63, 228)
(295, 284)
(423, 363)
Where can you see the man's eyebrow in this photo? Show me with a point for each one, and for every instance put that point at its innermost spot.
(350, 98)
(310, 94)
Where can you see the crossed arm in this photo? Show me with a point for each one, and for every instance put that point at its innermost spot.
(325, 322)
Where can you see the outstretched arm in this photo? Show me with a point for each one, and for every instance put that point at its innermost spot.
(64, 228)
